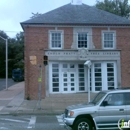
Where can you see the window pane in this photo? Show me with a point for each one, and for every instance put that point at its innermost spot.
(55, 80)
(115, 99)
(64, 65)
(72, 66)
(98, 74)
(65, 80)
(55, 65)
(110, 69)
(55, 70)
(81, 66)
(127, 98)
(65, 75)
(65, 89)
(97, 65)
(108, 40)
(98, 88)
(97, 70)
(72, 84)
(82, 40)
(98, 84)
(72, 89)
(110, 65)
(81, 88)
(55, 84)
(55, 75)
(55, 40)
(81, 79)
(55, 89)
(81, 84)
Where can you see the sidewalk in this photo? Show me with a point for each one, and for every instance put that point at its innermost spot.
(12, 102)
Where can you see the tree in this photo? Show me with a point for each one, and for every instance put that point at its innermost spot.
(118, 7)
(15, 53)
(2, 53)
(35, 15)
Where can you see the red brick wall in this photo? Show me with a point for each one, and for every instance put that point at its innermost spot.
(122, 43)
(36, 40)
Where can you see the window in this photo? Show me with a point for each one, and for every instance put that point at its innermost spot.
(98, 76)
(81, 77)
(115, 99)
(82, 40)
(108, 40)
(105, 76)
(56, 39)
(127, 98)
(55, 78)
(110, 76)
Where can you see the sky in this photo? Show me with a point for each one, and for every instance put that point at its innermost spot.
(12, 12)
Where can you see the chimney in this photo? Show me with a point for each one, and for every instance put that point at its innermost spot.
(76, 2)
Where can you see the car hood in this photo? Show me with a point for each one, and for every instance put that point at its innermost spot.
(78, 106)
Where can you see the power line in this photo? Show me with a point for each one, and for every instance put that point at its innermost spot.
(67, 34)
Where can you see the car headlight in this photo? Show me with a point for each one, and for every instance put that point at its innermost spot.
(71, 113)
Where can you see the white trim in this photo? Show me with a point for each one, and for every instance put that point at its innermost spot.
(103, 71)
(114, 39)
(62, 39)
(104, 75)
(89, 26)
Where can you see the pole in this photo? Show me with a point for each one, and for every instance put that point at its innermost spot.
(39, 87)
(6, 64)
(88, 84)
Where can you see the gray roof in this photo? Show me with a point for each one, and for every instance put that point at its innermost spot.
(78, 15)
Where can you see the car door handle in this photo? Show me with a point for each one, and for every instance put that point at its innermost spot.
(121, 109)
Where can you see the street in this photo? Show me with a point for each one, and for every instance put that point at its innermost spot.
(35, 122)
(3, 85)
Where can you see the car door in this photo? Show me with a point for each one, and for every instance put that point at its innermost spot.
(113, 111)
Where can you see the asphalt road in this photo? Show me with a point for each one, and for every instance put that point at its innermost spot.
(3, 83)
(33, 122)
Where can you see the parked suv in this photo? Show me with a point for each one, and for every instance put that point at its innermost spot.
(108, 110)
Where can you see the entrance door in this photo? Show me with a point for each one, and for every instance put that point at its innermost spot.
(69, 85)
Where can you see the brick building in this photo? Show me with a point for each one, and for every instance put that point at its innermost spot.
(71, 35)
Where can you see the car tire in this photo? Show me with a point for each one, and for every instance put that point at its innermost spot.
(83, 124)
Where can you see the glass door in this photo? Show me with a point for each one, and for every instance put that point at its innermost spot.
(68, 77)
(69, 82)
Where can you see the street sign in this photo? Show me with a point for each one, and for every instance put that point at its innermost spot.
(39, 79)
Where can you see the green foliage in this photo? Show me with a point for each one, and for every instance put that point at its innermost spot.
(118, 7)
(15, 53)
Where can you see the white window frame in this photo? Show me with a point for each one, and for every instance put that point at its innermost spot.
(87, 39)
(50, 38)
(114, 39)
(104, 75)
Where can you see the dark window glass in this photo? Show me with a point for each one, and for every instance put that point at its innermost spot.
(115, 99)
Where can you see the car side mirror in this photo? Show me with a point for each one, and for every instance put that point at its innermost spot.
(105, 103)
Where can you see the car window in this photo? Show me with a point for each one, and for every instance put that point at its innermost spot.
(127, 98)
(115, 99)
(98, 97)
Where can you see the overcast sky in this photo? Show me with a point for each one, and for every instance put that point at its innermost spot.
(12, 12)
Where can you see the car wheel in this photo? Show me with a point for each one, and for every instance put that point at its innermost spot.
(82, 124)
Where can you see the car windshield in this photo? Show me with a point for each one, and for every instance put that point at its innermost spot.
(98, 98)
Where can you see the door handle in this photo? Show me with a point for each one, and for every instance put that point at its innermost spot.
(121, 109)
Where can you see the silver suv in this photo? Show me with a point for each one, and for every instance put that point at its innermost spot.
(108, 110)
